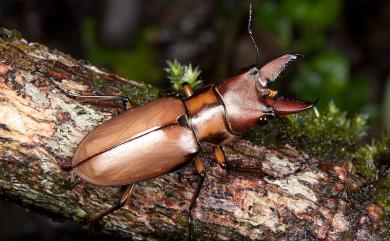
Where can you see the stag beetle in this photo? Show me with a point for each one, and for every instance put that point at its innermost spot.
(153, 139)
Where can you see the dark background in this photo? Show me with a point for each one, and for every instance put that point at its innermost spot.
(346, 44)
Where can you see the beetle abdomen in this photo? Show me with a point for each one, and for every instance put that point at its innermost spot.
(136, 145)
(146, 156)
(129, 125)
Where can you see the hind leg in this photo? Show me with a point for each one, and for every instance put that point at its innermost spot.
(125, 101)
(125, 105)
(122, 201)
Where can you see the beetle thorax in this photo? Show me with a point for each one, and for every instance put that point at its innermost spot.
(206, 116)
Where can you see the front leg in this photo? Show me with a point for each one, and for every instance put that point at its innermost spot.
(220, 158)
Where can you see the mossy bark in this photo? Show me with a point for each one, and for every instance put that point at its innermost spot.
(297, 199)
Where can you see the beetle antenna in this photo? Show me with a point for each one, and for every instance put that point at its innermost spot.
(251, 34)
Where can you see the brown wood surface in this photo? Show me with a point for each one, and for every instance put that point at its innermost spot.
(40, 128)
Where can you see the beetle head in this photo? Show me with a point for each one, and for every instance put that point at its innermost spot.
(248, 99)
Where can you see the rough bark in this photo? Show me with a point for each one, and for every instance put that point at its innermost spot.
(40, 128)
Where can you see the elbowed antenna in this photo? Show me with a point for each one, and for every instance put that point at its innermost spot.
(251, 35)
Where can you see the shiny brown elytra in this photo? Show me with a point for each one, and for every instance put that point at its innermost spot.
(158, 137)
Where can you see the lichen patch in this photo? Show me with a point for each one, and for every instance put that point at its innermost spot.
(294, 185)
(24, 121)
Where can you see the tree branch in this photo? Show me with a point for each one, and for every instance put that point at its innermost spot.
(40, 128)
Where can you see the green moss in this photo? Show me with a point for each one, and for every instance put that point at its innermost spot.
(328, 135)
(274, 134)
(382, 193)
(99, 84)
(9, 35)
(179, 74)
(138, 95)
(382, 198)
(369, 158)
(332, 135)
(183, 219)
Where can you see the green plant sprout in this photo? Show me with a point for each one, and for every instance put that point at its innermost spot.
(179, 74)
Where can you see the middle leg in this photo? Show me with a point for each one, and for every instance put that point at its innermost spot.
(201, 170)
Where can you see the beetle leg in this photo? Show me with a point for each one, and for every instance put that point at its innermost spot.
(126, 104)
(201, 170)
(125, 101)
(250, 170)
(187, 89)
(125, 197)
(220, 157)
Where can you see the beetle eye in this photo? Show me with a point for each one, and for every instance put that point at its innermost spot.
(263, 121)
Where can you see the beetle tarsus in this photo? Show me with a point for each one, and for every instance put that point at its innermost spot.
(202, 176)
(125, 197)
